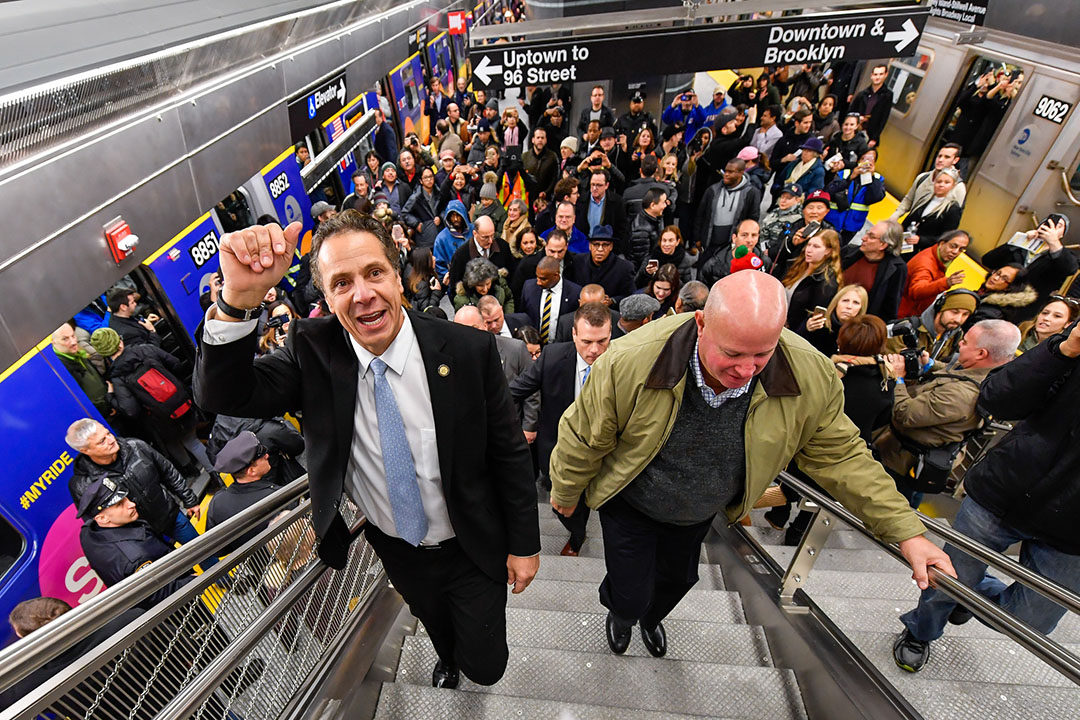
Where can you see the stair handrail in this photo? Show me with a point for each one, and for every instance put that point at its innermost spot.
(28, 654)
(1028, 637)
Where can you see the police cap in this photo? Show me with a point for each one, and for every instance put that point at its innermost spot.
(239, 453)
(101, 494)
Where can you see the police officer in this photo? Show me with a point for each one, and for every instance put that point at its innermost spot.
(248, 461)
(631, 123)
(116, 542)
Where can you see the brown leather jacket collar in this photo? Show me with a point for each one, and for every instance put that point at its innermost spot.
(777, 378)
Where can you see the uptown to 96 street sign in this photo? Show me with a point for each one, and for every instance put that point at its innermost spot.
(849, 35)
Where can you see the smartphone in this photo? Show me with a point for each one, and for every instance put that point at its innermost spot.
(811, 229)
(685, 97)
(398, 234)
(432, 282)
(653, 264)
(822, 311)
(1052, 220)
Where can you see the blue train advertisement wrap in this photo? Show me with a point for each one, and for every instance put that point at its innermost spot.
(461, 55)
(38, 401)
(441, 61)
(409, 96)
(184, 265)
(291, 203)
(335, 127)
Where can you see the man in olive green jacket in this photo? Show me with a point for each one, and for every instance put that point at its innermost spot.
(689, 417)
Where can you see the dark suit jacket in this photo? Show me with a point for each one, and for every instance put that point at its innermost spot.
(533, 295)
(553, 376)
(484, 461)
(500, 256)
(516, 320)
(614, 215)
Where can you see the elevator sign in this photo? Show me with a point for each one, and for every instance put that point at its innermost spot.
(849, 35)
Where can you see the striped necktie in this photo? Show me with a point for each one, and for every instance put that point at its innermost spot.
(545, 318)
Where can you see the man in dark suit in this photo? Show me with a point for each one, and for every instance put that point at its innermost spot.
(603, 267)
(386, 142)
(602, 206)
(444, 481)
(437, 103)
(591, 293)
(483, 244)
(496, 321)
(558, 375)
(548, 298)
(556, 247)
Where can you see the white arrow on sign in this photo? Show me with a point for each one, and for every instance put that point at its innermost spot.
(903, 36)
(341, 93)
(484, 70)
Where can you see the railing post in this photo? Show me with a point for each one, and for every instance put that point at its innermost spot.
(802, 562)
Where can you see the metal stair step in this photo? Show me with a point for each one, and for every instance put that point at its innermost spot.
(880, 585)
(398, 701)
(966, 660)
(951, 700)
(641, 683)
(592, 570)
(843, 559)
(550, 525)
(592, 547)
(565, 596)
(839, 538)
(687, 639)
(873, 615)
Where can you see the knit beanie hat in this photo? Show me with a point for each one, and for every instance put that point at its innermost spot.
(488, 192)
(953, 301)
(106, 341)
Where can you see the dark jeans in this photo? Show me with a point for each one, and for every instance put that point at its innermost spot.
(463, 610)
(184, 532)
(927, 621)
(651, 565)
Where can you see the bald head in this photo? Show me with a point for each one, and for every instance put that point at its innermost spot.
(470, 315)
(593, 293)
(739, 328)
(484, 224)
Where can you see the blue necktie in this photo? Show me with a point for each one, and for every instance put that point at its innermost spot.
(585, 375)
(408, 510)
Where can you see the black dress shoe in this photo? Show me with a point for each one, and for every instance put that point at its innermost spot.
(618, 639)
(655, 640)
(445, 675)
(960, 615)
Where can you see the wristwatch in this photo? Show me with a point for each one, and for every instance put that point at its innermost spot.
(238, 313)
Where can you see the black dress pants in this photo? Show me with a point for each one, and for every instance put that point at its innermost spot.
(463, 610)
(575, 524)
(651, 565)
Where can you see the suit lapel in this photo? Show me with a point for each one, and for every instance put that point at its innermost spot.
(433, 350)
(344, 376)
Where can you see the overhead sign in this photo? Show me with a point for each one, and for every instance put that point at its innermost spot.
(969, 12)
(850, 35)
(310, 111)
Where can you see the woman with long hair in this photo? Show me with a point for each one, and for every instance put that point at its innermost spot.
(516, 225)
(644, 144)
(821, 329)
(669, 249)
(939, 214)
(1055, 316)
(273, 338)
(664, 286)
(422, 287)
(813, 277)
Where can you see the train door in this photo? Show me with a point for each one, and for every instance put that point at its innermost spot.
(984, 96)
(1055, 184)
(1013, 185)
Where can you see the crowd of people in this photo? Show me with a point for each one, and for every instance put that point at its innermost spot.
(558, 230)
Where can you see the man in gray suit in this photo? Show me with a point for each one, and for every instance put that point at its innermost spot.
(515, 360)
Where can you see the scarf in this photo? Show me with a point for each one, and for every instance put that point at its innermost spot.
(800, 169)
(511, 233)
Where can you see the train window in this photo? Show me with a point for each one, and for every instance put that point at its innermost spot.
(985, 95)
(234, 212)
(12, 545)
(906, 77)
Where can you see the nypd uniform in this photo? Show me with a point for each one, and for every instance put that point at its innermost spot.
(115, 553)
(235, 458)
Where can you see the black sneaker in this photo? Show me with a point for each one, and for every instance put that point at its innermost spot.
(960, 615)
(910, 654)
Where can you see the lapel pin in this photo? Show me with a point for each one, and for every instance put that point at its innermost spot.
(444, 370)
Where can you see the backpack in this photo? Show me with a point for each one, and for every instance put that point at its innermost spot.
(159, 392)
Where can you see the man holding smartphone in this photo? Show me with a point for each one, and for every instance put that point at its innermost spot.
(686, 110)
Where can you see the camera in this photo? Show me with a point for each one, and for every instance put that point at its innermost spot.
(910, 352)
(277, 321)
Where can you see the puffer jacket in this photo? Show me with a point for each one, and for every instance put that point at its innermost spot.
(644, 235)
(1016, 304)
(1031, 479)
(625, 413)
(151, 481)
(449, 239)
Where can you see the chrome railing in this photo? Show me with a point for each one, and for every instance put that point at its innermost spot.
(826, 514)
(237, 641)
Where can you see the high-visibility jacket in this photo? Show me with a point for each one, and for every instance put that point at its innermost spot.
(851, 200)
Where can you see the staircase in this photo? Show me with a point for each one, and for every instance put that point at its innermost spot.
(974, 672)
(717, 666)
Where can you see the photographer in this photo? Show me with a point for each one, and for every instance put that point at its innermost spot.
(936, 333)
(1045, 270)
(940, 409)
(685, 109)
(277, 328)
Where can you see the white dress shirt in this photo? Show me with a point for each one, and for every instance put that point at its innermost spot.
(579, 374)
(505, 331)
(365, 478)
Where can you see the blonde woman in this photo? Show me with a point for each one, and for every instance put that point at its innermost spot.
(939, 214)
(821, 329)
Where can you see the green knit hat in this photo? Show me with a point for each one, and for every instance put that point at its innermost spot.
(106, 341)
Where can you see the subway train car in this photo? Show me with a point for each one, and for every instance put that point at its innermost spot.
(229, 129)
(1023, 166)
